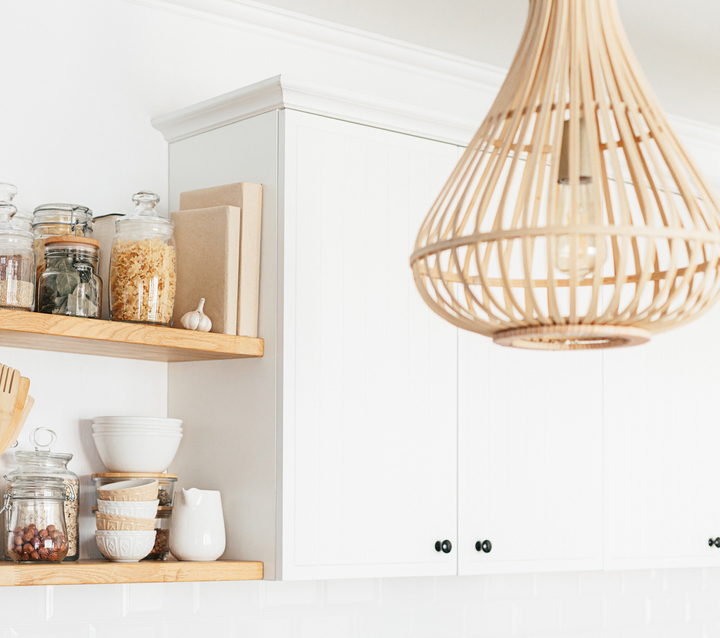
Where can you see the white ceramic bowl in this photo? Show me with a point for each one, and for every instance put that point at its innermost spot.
(125, 546)
(136, 509)
(133, 490)
(138, 420)
(136, 451)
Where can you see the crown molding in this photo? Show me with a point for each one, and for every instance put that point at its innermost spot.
(255, 17)
(702, 139)
(281, 92)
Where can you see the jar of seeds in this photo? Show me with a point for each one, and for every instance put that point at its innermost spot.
(42, 463)
(70, 285)
(17, 262)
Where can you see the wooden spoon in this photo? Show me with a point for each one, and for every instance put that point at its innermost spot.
(12, 435)
(9, 388)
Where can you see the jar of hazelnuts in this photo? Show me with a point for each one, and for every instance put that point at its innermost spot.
(35, 520)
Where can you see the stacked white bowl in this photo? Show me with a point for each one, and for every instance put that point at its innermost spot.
(125, 519)
(136, 443)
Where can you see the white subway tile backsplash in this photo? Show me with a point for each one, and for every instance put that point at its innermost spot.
(581, 614)
(537, 616)
(159, 599)
(639, 604)
(666, 611)
(357, 591)
(101, 602)
(625, 612)
(149, 628)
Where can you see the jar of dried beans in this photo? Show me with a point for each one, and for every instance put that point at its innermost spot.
(17, 262)
(35, 529)
(52, 220)
(142, 265)
(41, 463)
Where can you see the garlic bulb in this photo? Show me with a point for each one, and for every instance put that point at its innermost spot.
(197, 319)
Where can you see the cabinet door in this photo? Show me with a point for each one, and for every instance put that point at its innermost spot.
(530, 458)
(370, 374)
(662, 444)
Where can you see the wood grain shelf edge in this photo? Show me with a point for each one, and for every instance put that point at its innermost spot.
(104, 572)
(37, 331)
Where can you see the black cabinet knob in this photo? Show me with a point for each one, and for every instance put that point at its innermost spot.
(715, 542)
(484, 546)
(444, 546)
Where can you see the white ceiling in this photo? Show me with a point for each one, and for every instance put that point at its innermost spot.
(677, 43)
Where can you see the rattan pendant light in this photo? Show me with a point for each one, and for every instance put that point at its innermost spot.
(575, 218)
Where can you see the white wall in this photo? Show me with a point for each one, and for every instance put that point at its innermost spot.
(82, 80)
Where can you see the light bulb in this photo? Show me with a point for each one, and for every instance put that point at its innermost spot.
(584, 248)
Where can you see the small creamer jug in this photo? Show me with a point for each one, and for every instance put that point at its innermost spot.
(198, 527)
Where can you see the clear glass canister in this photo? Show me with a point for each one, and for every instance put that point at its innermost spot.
(22, 219)
(42, 463)
(51, 220)
(142, 265)
(35, 529)
(70, 285)
(17, 263)
(161, 549)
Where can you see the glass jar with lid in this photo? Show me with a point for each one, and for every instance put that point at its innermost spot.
(22, 219)
(70, 285)
(50, 220)
(142, 265)
(17, 263)
(42, 463)
(35, 520)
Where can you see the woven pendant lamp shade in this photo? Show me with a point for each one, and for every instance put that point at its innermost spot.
(575, 218)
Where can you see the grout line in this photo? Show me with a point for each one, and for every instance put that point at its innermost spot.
(49, 600)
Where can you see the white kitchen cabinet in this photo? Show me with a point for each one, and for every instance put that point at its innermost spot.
(336, 452)
(530, 459)
(661, 446)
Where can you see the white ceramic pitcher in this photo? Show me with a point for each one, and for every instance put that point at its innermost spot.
(198, 527)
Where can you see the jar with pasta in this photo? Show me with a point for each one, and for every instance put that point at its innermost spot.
(17, 262)
(52, 220)
(142, 265)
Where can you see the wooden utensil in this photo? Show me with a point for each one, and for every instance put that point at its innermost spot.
(23, 405)
(9, 388)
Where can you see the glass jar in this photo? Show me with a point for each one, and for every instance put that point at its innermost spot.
(17, 263)
(41, 463)
(142, 265)
(161, 549)
(22, 219)
(51, 220)
(70, 285)
(35, 515)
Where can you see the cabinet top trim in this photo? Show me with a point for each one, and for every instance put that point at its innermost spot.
(281, 92)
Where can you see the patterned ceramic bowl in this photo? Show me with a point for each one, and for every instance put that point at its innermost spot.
(136, 509)
(125, 547)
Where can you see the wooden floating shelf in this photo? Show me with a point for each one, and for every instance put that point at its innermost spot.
(38, 331)
(104, 572)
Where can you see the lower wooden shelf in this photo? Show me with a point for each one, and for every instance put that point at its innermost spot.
(104, 572)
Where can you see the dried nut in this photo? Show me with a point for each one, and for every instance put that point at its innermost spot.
(28, 536)
(25, 557)
(18, 529)
(18, 539)
(43, 552)
(35, 556)
(43, 533)
(53, 555)
(27, 548)
(50, 529)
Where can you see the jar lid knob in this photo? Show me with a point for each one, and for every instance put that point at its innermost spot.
(42, 446)
(7, 191)
(145, 202)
